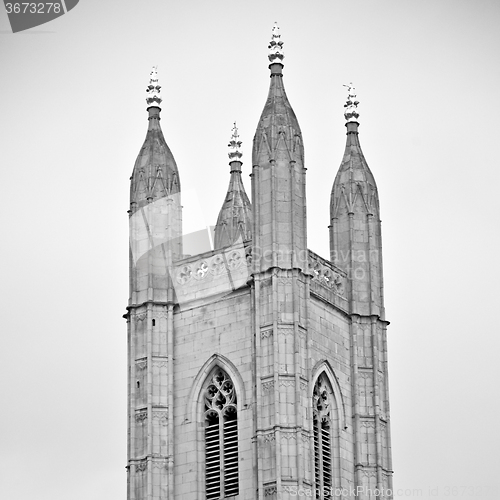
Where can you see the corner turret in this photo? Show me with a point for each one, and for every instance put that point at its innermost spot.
(355, 230)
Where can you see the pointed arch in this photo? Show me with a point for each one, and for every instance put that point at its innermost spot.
(328, 420)
(195, 397)
(324, 366)
(216, 426)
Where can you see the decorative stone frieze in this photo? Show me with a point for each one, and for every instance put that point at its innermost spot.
(268, 386)
(323, 272)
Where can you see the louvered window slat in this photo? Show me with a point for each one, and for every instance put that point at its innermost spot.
(323, 401)
(221, 438)
(212, 459)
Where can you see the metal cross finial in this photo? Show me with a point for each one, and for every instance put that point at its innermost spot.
(153, 95)
(351, 112)
(276, 46)
(235, 145)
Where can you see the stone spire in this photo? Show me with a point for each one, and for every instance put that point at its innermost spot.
(235, 216)
(355, 244)
(155, 172)
(278, 176)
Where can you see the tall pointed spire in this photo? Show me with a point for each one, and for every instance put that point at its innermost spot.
(355, 244)
(278, 176)
(235, 216)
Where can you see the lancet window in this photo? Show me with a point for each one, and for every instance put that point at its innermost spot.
(323, 406)
(221, 437)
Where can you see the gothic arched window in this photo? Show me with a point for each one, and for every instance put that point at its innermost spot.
(221, 437)
(323, 405)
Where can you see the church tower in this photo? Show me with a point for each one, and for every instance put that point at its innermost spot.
(257, 370)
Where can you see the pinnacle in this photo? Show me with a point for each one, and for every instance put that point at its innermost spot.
(351, 106)
(275, 47)
(234, 145)
(153, 94)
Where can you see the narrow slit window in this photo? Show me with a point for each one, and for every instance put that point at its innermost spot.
(221, 438)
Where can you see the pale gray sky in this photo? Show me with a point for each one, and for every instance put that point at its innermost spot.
(72, 122)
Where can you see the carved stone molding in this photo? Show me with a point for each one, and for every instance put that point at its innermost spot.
(161, 416)
(140, 416)
(266, 334)
(200, 269)
(269, 437)
(287, 383)
(285, 331)
(369, 424)
(285, 281)
(141, 466)
(303, 385)
(184, 274)
(159, 465)
(270, 490)
(160, 363)
(369, 473)
(216, 265)
(268, 385)
(141, 364)
(323, 273)
(140, 316)
(288, 435)
(266, 282)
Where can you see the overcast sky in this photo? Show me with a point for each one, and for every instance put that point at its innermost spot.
(72, 120)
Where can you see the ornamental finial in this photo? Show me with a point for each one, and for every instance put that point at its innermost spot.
(351, 106)
(153, 96)
(234, 145)
(276, 46)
